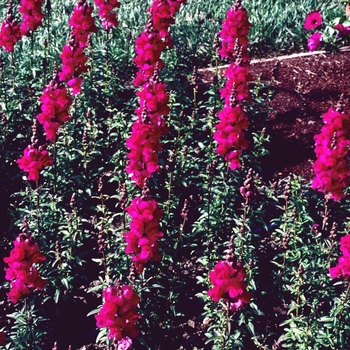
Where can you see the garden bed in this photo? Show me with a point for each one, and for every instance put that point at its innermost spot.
(303, 87)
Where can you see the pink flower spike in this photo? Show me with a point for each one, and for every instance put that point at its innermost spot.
(314, 41)
(313, 20)
(228, 283)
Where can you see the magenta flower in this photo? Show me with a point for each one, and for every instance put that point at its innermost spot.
(55, 106)
(314, 41)
(313, 20)
(119, 314)
(82, 22)
(105, 11)
(229, 134)
(343, 31)
(142, 239)
(34, 160)
(331, 148)
(343, 267)
(235, 27)
(228, 284)
(23, 276)
(32, 15)
(10, 33)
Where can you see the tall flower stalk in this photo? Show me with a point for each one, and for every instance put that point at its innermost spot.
(148, 128)
(229, 134)
(331, 148)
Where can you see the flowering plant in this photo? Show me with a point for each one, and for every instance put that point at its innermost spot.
(331, 171)
(23, 275)
(119, 314)
(228, 284)
(343, 267)
(328, 35)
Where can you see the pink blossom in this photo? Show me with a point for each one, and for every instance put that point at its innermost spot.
(124, 344)
(23, 275)
(228, 284)
(82, 22)
(163, 13)
(313, 20)
(343, 30)
(73, 61)
(118, 313)
(343, 267)
(230, 133)
(55, 106)
(314, 41)
(142, 239)
(238, 77)
(331, 148)
(75, 84)
(32, 15)
(33, 161)
(105, 11)
(345, 245)
(235, 28)
(10, 33)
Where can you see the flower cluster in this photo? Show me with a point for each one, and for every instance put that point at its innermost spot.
(155, 38)
(238, 76)
(147, 129)
(55, 106)
(149, 46)
(163, 13)
(314, 42)
(32, 15)
(144, 147)
(154, 99)
(73, 56)
(228, 284)
(230, 135)
(314, 20)
(82, 22)
(235, 29)
(343, 267)
(331, 148)
(142, 239)
(118, 313)
(34, 160)
(150, 126)
(10, 33)
(343, 31)
(23, 275)
(73, 65)
(105, 11)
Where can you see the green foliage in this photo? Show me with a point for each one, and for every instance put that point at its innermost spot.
(78, 205)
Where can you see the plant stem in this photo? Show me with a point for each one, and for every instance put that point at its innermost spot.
(341, 312)
(226, 324)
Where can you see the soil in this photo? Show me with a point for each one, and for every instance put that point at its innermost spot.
(303, 86)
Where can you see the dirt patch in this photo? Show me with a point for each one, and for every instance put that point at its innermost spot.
(304, 87)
